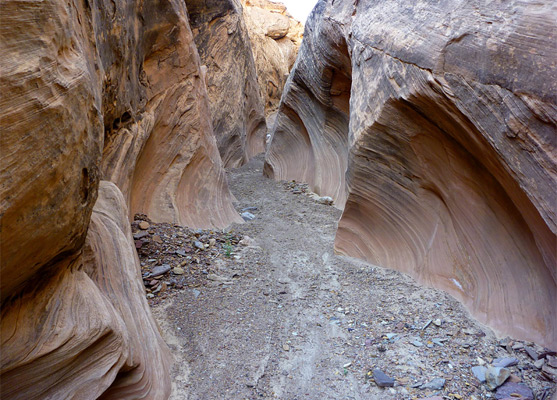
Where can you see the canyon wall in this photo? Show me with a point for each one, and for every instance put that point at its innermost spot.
(104, 113)
(434, 127)
(236, 104)
(275, 37)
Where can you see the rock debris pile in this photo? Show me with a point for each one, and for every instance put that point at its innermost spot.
(174, 257)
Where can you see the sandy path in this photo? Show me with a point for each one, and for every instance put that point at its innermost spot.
(292, 320)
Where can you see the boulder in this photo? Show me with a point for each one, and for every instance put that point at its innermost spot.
(442, 120)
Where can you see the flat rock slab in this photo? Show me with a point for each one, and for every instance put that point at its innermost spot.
(515, 391)
(382, 379)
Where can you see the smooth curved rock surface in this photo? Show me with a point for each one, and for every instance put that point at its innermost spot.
(236, 104)
(165, 159)
(275, 37)
(87, 330)
(448, 146)
(90, 89)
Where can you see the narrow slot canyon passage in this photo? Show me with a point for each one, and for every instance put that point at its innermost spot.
(284, 317)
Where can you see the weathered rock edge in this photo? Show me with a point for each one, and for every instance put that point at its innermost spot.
(442, 119)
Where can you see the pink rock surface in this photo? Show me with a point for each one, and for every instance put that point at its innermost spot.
(446, 141)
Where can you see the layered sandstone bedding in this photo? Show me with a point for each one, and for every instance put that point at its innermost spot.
(433, 127)
(104, 114)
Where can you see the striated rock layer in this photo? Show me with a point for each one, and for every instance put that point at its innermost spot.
(236, 104)
(163, 155)
(442, 119)
(275, 37)
(110, 90)
(86, 330)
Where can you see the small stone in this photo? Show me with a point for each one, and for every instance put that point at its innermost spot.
(196, 293)
(246, 241)
(157, 239)
(480, 361)
(180, 253)
(247, 216)
(286, 347)
(435, 384)
(532, 353)
(539, 364)
(514, 378)
(160, 270)
(138, 244)
(479, 372)
(140, 235)
(150, 295)
(437, 322)
(518, 346)
(144, 225)
(198, 245)
(325, 200)
(437, 341)
(496, 376)
(427, 324)
(249, 209)
(347, 365)
(391, 335)
(514, 390)
(178, 271)
(417, 343)
(382, 379)
(552, 361)
(212, 242)
(504, 362)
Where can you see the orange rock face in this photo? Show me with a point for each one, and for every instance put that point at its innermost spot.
(165, 159)
(443, 125)
(95, 91)
(236, 104)
(275, 36)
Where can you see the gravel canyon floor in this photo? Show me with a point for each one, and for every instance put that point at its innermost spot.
(283, 317)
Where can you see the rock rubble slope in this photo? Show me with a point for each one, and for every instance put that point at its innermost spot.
(442, 119)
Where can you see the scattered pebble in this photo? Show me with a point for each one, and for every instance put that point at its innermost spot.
(496, 376)
(381, 379)
(435, 384)
(247, 216)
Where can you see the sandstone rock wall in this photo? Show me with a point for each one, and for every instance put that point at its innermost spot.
(444, 125)
(236, 104)
(109, 90)
(275, 36)
(83, 329)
